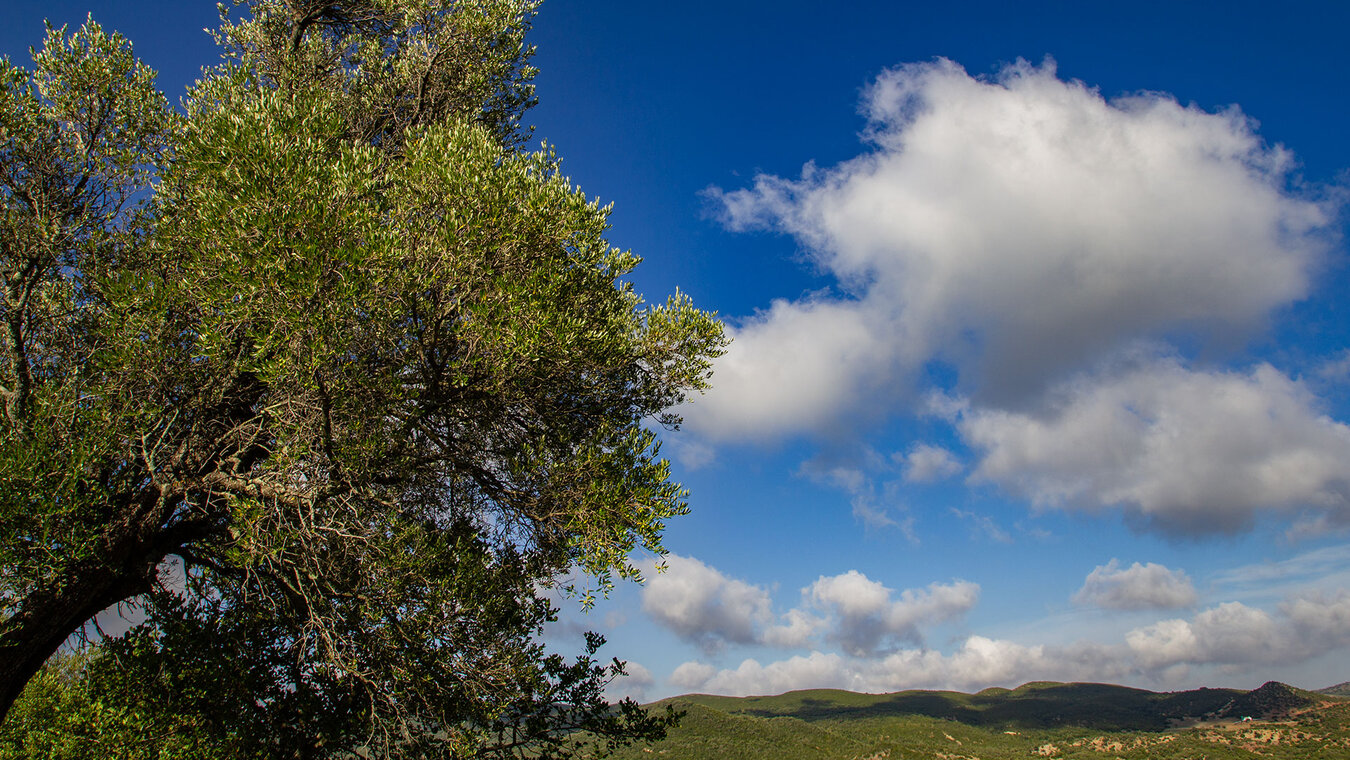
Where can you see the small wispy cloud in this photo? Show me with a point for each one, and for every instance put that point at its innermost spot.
(983, 526)
(1326, 568)
(926, 463)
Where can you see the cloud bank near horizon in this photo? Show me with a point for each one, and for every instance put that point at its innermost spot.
(880, 645)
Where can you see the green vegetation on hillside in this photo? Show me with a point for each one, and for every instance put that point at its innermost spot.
(1034, 705)
(1097, 721)
(1339, 690)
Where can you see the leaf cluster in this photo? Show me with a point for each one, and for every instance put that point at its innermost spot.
(335, 347)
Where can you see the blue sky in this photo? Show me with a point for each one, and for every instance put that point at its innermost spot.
(1041, 359)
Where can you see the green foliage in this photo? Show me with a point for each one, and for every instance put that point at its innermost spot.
(366, 368)
(708, 733)
(164, 691)
(75, 709)
(79, 136)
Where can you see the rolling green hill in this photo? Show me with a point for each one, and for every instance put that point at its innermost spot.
(1339, 690)
(1074, 720)
(1033, 705)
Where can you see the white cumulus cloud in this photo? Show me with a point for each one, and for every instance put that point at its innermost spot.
(1018, 228)
(1232, 633)
(703, 606)
(1320, 621)
(706, 608)
(1182, 451)
(866, 617)
(692, 674)
(1137, 587)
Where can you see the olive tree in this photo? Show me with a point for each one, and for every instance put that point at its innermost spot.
(332, 343)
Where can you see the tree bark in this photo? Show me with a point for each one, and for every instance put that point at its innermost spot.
(47, 617)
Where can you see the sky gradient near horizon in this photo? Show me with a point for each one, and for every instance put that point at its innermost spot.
(1041, 366)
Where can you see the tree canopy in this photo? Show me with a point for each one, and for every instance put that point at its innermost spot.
(332, 379)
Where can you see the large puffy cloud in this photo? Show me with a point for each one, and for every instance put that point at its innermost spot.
(1230, 636)
(1017, 228)
(796, 630)
(1183, 451)
(1232, 633)
(1320, 621)
(788, 369)
(867, 618)
(1137, 587)
(703, 606)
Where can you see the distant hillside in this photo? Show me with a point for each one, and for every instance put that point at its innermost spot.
(1272, 701)
(1033, 705)
(1067, 720)
(1339, 690)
